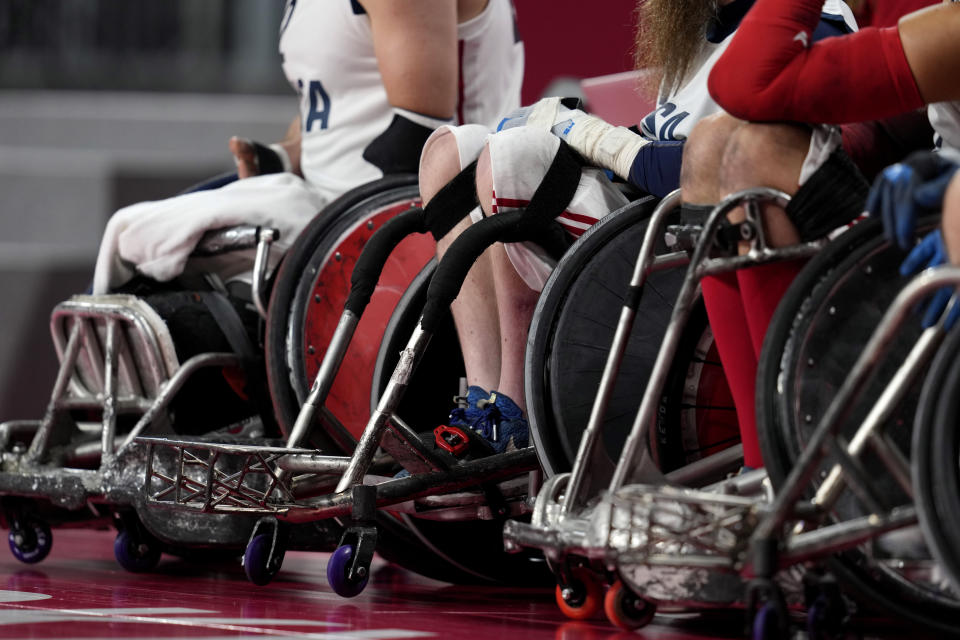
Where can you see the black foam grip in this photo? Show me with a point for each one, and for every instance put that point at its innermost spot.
(534, 223)
(452, 203)
(366, 272)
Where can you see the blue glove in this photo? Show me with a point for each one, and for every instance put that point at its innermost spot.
(931, 252)
(905, 190)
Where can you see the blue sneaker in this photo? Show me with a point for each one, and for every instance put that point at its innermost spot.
(469, 415)
(504, 427)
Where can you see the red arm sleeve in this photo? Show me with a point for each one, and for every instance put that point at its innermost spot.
(772, 71)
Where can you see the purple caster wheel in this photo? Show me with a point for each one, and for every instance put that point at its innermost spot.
(337, 573)
(30, 540)
(134, 554)
(261, 560)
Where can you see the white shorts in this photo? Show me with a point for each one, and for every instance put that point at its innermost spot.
(519, 160)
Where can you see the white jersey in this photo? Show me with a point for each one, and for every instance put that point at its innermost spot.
(328, 57)
(945, 120)
(676, 114)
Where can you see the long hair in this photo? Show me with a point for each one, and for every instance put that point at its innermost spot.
(670, 36)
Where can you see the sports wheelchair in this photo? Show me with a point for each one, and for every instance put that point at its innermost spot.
(839, 473)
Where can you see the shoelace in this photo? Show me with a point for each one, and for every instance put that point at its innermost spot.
(485, 423)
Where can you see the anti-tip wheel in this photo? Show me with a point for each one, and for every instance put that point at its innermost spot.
(337, 573)
(30, 540)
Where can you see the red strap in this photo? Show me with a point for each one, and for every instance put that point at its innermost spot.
(772, 71)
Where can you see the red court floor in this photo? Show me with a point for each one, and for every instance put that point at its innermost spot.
(80, 592)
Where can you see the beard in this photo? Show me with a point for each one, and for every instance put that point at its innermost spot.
(670, 36)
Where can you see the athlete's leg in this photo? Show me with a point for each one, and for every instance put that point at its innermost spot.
(474, 312)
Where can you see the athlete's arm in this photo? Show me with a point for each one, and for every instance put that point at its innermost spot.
(415, 42)
(771, 71)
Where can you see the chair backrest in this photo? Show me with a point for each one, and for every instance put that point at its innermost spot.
(620, 98)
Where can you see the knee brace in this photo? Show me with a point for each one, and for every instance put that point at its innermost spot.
(834, 195)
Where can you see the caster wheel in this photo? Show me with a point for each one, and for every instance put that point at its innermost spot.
(337, 573)
(583, 597)
(258, 563)
(627, 610)
(136, 555)
(30, 541)
(769, 623)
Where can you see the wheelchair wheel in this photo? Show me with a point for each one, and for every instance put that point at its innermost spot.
(817, 333)
(311, 287)
(936, 451)
(570, 339)
(474, 547)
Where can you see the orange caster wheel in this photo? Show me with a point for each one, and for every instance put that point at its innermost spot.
(582, 598)
(627, 610)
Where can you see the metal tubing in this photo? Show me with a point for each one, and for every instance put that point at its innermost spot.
(699, 267)
(888, 401)
(265, 238)
(109, 417)
(312, 463)
(38, 446)
(469, 473)
(844, 535)
(883, 335)
(372, 433)
(706, 467)
(322, 384)
(587, 450)
(173, 385)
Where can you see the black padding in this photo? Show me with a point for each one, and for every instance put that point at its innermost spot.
(369, 265)
(453, 202)
(534, 223)
(397, 149)
(833, 196)
(268, 160)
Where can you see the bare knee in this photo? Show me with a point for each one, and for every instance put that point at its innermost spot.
(439, 163)
(768, 155)
(485, 181)
(702, 156)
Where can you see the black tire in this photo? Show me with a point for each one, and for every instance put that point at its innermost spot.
(570, 339)
(936, 450)
(474, 548)
(815, 336)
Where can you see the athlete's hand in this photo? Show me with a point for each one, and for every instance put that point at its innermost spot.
(544, 113)
(907, 189)
(245, 156)
(928, 254)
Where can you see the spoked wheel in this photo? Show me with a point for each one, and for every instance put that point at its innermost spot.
(311, 287)
(817, 333)
(473, 547)
(570, 339)
(936, 452)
